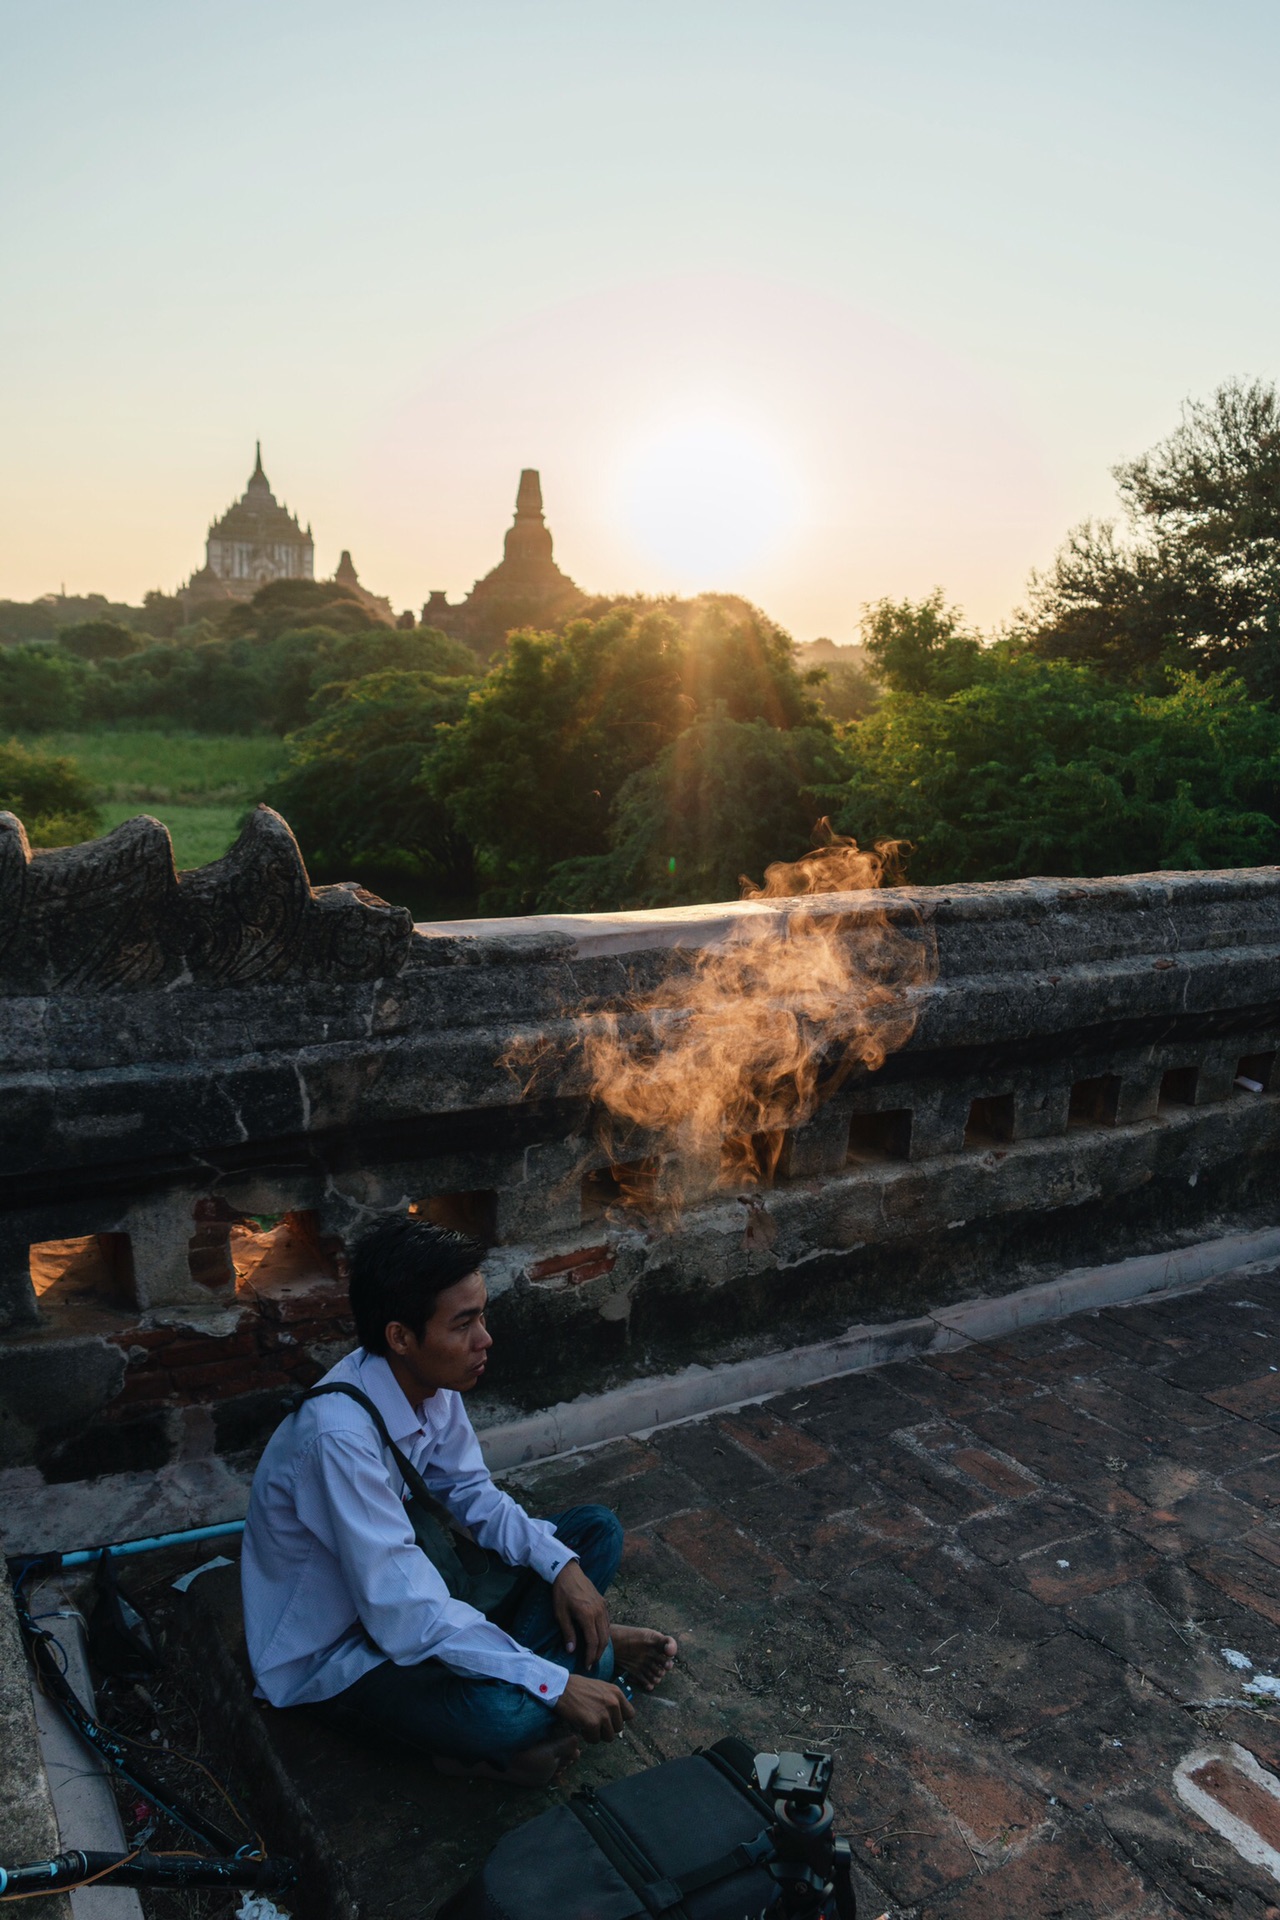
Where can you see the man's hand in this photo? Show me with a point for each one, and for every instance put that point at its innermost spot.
(580, 1612)
(594, 1708)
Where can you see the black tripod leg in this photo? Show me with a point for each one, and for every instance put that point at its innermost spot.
(842, 1878)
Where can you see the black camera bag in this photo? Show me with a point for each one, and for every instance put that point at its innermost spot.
(687, 1840)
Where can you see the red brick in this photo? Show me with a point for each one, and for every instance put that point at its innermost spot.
(783, 1447)
(723, 1554)
(997, 1475)
(1244, 1578)
(197, 1353)
(1095, 1561)
(991, 1807)
(151, 1338)
(1075, 1877)
(144, 1388)
(565, 1262)
(1255, 1400)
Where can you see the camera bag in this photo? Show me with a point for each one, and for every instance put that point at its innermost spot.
(687, 1840)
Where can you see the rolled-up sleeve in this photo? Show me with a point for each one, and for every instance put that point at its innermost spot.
(458, 1475)
(345, 1496)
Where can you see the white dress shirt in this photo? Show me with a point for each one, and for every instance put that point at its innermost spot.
(332, 1577)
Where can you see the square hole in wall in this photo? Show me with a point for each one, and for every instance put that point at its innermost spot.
(279, 1252)
(990, 1122)
(93, 1266)
(1178, 1087)
(1253, 1072)
(880, 1136)
(1095, 1103)
(474, 1213)
(623, 1183)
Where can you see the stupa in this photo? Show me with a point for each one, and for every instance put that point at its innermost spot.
(525, 589)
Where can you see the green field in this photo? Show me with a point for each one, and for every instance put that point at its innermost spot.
(199, 784)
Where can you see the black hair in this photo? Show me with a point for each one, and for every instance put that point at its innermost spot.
(397, 1270)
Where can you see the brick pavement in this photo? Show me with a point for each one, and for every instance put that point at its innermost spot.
(996, 1584)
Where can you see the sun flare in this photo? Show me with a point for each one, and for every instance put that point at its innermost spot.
(707, 497)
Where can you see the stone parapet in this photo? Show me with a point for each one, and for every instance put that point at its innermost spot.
(1089, 1075)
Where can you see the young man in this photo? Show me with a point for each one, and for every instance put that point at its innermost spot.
(345, 1612)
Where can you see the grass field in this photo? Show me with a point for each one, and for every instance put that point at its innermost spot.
(199, 784)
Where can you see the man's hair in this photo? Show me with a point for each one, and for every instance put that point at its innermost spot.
(398, 1270)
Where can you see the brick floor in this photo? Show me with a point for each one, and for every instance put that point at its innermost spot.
(997, 1585)
(1009, 1577)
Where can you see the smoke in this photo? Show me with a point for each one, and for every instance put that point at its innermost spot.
(741, 1041)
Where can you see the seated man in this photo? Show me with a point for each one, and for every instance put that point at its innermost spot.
(345, 1611)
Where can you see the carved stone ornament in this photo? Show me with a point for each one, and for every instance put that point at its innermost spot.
(114, 915)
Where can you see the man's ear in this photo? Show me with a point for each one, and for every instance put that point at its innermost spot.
(399, 1338)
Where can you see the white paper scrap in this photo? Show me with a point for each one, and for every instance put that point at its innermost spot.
(184, 1580)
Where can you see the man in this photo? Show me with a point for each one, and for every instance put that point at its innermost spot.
(346, 1613)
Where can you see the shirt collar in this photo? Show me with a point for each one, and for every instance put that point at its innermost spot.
(389, 1397)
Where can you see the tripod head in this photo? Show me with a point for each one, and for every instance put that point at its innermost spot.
(812, 1865)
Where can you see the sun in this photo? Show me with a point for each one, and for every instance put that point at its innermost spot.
(707, 498)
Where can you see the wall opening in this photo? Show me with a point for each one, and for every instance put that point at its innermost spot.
(92, 1267)
(880, 1136)
(990, 1122)
(277, 1251)
(1253, 1072)
(474, 1213)
(1095, 1103)
(623, 1183)
(1178, 1087)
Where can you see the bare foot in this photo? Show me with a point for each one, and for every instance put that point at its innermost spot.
(643, 1654)
(531, 1767)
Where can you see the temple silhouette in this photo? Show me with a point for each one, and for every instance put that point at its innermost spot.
(525, 589)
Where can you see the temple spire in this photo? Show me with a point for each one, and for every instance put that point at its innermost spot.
(529, 495)
(257, 473)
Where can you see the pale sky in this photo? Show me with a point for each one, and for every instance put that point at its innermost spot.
(809, 301)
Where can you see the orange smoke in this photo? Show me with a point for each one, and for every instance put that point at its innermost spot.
(740, 1045)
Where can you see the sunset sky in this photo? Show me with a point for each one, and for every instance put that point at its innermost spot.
(808, 300)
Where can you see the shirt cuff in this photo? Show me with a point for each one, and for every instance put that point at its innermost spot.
(546, 1681)
(550, 1557)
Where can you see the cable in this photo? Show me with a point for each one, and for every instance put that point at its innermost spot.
(78, 1868)
(39, 1641)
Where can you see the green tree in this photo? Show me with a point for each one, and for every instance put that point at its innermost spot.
(49, 794)
(100, 640)
(534, 766)
(354, 792)
(41, 689)
(1047, 767)
(721, 802)
(843, 688)
(920, 646)
(1194, 580)
(285, 604)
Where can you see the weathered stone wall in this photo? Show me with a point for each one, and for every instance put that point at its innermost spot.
(1099, 1025)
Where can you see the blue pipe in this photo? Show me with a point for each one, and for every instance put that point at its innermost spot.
(87, 1556)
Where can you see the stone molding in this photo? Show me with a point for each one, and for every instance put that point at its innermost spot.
(113, 915)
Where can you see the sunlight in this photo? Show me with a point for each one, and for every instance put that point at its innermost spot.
(707, 498)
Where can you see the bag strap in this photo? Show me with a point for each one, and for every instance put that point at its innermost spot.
(408, 1472)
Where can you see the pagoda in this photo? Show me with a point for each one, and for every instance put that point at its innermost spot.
(525, 589)
(256, 540)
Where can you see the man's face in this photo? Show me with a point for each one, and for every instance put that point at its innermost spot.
(455, 1342)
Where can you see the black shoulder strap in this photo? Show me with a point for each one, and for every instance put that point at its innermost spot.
(408, 1472)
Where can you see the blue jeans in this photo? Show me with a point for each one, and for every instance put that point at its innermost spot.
(434, 1710)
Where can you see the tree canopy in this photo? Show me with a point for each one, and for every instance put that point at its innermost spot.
(1193, 582)
(1046, 767)
(49, 794)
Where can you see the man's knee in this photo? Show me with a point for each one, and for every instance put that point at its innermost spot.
(596, 1535)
